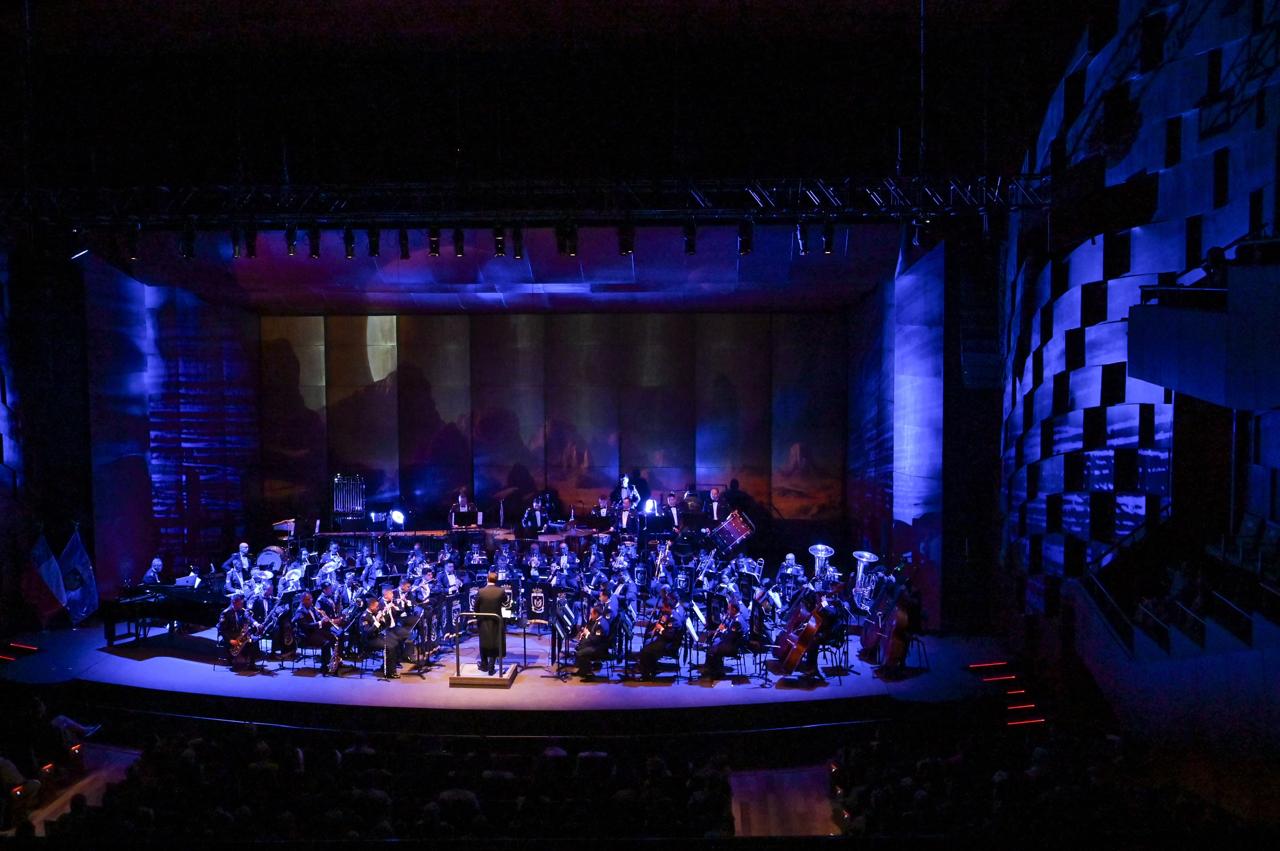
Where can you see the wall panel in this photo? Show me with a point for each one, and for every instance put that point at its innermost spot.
(434, 382)
(582, 372)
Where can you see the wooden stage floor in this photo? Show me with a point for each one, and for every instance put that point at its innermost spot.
(178, 676)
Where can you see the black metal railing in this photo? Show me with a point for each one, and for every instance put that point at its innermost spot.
(1154, 627)
(1234, 619)
(1111, 611)
(1188, 623)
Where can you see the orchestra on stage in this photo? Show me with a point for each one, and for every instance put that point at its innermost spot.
(619, 589)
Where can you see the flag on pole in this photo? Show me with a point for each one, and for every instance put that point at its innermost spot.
(42, 583)
(78, 579)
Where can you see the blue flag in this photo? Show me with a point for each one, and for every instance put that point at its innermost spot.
(78, 579)
(42, 583)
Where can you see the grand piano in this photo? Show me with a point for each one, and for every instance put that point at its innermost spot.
(166, 604)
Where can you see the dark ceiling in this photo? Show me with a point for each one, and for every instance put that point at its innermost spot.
(181, 91)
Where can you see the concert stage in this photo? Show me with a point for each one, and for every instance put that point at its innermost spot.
(178, 677)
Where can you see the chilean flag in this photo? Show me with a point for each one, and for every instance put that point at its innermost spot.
(42, 583)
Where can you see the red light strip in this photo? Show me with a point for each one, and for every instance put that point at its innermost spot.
(7, 659)
(1024, 706)
(1000, 678)
(988, 664)
(22, 646)
(1016, 691)
(1026, 721)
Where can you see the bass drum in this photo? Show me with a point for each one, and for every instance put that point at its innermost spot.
(271, 558)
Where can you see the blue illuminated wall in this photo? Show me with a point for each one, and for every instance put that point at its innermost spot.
(1162, 142)
(174, 423)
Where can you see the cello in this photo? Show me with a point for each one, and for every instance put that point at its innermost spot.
(807, 624)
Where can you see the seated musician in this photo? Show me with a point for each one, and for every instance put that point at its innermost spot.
(447, 554)
(375, 635)
(595, 560)
(416, 560)
(535, 517)
(665, 635)
(565, 561)
(260, 603)
(235, 632)
(535, 562)
(725, 640)
(327, 603)
(594, 643)
(153, 574)
(312, 630)
(408, 612)
(364, 559)
(393, 612)
(477, 561)
(237, 567)
(423, 587)
(627, 521)
(349, 591)
(451, 583)
(372, 573)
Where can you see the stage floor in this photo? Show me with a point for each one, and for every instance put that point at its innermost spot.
(184, 665)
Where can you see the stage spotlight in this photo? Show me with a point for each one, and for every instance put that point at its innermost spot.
(403, 236)
(690, 239)
(375, 241)
(291, 239)
(235, 242)
(499, 242)
(459, 242)
(349, 242)
(517, 242)
(187, 242)
(650, 506)
(251, 240)
(313, 239)
(626, 239)
(828, 237)
(433, 241)
(746, 237)
(131, 241)
(802, 237)
(397, 516)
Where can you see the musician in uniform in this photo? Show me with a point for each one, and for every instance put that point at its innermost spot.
(447, 554)
(476, 560)
(375, 635)
(535, 517)
(726, 639)
(535, 562)
(489, 601)
(459, 513)
(627, 522)
(565, 561)
(594, 644)
(311, 629)
(670, 517)
(713, 507)
(601, 509)
(451, 583)
(372, 573)
(595, 560)
(416, 560)
(235, 624)
(665, 635)
(237, 567)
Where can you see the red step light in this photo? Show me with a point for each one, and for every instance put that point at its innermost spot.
(988, 664)
(22, 646)
(1025, 721)
(1000, 678)
(4, 658)
(1016, 691)
(1024, 706)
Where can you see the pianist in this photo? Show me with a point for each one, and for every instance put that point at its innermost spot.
(153, 574)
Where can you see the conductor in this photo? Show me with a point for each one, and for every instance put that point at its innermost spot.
(489, 601)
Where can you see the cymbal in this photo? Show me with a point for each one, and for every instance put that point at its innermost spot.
(866, 557)
(821, 551)
(262, 574)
